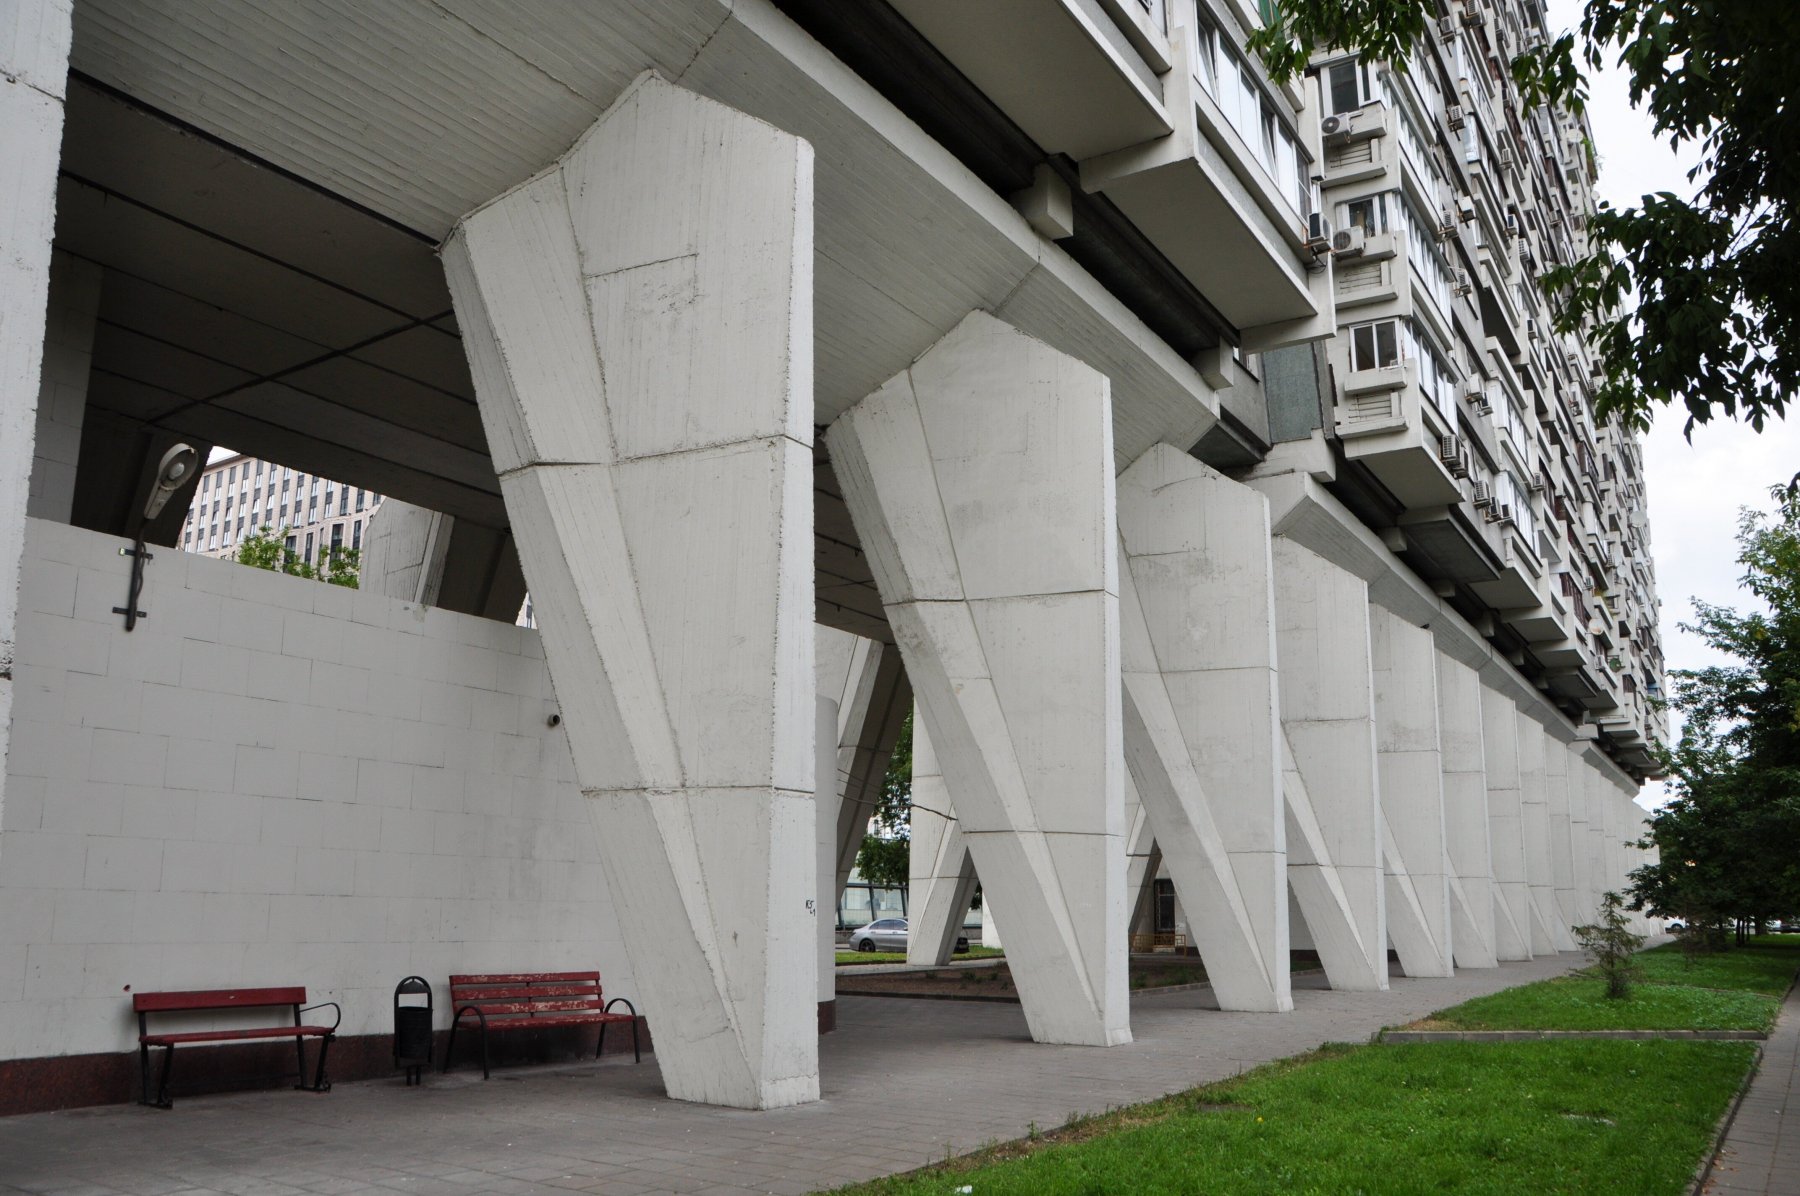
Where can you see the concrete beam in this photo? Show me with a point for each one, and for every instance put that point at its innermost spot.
(1202, 725)
(980, 481)
(1335, 860)
(638, 321)
(1412, 794)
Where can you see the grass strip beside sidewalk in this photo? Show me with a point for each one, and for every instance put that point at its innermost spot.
(1738, 989)
(1568, 1117)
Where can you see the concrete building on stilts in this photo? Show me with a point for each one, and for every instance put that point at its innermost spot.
(1189, 450)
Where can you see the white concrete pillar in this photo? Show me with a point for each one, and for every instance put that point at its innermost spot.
(639, 326)
(1512, 891)
(942, 879)
(864, 679)
(826, 800)
(980, 481)
(1599, 865)
(63, 385)
(1142, 860)
(1404, 659)
(1580, 899)
(1335, 863)
(1466, 833)
(1201, 713)
(34, 69)
(1562, 858)
(403, 552)
(1534, 829)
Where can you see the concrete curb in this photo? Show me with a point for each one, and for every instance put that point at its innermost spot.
(1403, 1037)
(1704, 1168)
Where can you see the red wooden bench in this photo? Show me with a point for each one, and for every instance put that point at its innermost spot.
(213, 1000)
(534, 1001)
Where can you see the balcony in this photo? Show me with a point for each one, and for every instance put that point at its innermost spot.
(1381, 421)
(1214, 206)
(1105, 94)
(1357, 145)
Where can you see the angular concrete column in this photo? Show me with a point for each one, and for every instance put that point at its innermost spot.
(1335, 859)
(1534, 830)
(943, 874)
(1599, 863)
(980, 482)
(1581, 895)
(1512, 892)
(433, 559)
(1201, 720)
(63, 385)
(1466, 835)
(864, 679)
(34, 69)
(824, 907)
(1562, 858)
(1412, 794)
(639, 326)
(1142, 860)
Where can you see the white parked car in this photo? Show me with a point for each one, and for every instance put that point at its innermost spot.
(888, 934)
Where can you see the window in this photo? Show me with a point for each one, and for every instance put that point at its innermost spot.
(337, 538)
(309, 544)
(231, 476)
(1368, 213)
(284, 512)
(1165, 906)
(356, 534)
(259, 466)
(289, 543)
(344, 501)
(359, 498)
(1348, 85)
(1374, 346)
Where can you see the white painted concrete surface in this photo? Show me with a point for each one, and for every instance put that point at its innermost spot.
(639, 325)
(981, 485)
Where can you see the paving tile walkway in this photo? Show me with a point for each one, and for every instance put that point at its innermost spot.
(905, 1082)
(1761, 1151)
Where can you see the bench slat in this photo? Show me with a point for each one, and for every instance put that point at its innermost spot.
(552, 1021)
(216, 998)
(548, 992)
(524, 978)
(523, 1008)
(235, 1035)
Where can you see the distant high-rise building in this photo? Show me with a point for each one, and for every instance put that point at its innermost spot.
(240, 495)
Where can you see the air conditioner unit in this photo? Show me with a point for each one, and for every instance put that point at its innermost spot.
(1446, 226)
(1506, 515)
(1449, 447)
(1473, 17)
(1348, 242)
(1514, 228)
(1447, 28)
(1459, 282)
(1465, 209)
(1484, 498)
(1318, 232)
(1506, 159)
(1453, 115)
(1335, 129)
(1473, 390)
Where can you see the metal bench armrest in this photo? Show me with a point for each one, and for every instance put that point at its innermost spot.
(336, 1022)
(620, 1001)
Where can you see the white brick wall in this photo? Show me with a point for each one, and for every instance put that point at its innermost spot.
(273, 781)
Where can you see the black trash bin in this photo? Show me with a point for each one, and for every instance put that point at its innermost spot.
(412, 1028)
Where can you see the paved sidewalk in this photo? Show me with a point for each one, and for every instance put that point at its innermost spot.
(905, 1083)
(1761, 1151)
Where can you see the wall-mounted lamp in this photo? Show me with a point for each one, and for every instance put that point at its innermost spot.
(172, 472)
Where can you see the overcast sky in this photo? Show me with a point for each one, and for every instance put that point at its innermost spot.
(1696, 490)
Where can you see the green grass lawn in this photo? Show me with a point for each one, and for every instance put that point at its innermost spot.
(845, 957)
(1738, 989)
(1598, 1117)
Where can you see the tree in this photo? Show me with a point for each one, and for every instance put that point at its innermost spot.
(1729, 840)
(268, 549)
(1612, 945)
(885, 857)
(1716, 321)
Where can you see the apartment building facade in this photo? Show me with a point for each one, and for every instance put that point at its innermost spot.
(813, 363)
(239, 496)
